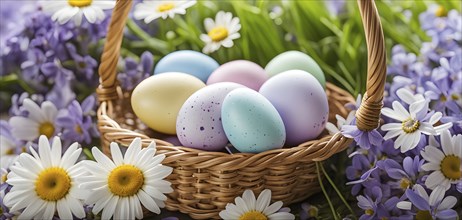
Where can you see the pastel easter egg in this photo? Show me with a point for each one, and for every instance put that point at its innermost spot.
(199, 120)
(295, 60)
(251, 122)
(157, 100)
(305, 113)
(187, 61)
(242, 72)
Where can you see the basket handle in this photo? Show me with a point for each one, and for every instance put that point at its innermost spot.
(107, 89)
(367, 116)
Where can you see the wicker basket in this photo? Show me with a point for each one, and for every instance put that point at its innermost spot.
(204, 182)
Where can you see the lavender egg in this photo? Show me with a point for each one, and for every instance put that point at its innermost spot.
(199, 121)
(305, 113)
(240, 71)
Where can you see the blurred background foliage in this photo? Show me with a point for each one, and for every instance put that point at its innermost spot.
(334, 38)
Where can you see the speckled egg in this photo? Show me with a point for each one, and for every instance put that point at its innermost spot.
(305, 113)
(295, 60)
(187, 61)
(199, 120)
(251, 122)
(157, 100)
(242, 72)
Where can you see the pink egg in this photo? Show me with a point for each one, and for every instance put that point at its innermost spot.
(240, 71)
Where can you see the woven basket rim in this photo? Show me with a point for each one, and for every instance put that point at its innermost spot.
(165, 145)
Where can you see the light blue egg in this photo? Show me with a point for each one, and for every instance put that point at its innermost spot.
(187, 61)
(251, 123)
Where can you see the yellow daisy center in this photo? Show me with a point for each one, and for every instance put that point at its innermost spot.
(218, 33)
(423, 215)
(9, 151)
(47, 129)
(455, 97)
(450, 167)
(79, 3)
(52, 184)
(253, 215)
(441, 12)
(410, 125)
(165, 7)
(369, 212)
(4, 177)
(125, 180)
(405, 183)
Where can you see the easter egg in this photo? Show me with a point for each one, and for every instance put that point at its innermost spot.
(305, 113)
(242, 72)
(187, 61)
(251, 122)
(295, 60)
(157, 100)
(199, 120)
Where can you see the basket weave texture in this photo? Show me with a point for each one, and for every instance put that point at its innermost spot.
(204, 182)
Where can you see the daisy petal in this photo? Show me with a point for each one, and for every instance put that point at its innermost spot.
(116, 154)
(103, 159)
(263, 200)
(272, 208)
(110, 208)
(447, 203)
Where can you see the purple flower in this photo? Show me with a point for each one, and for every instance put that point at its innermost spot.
(405, 176)
(370, 203)
(308, 211)
(61, 94)
(56, 73)
(365, 139)
(435, 206)
(86, 65)
(402, 64)
(336, 7)
(76, 125)
(135, 73)
(17, 108)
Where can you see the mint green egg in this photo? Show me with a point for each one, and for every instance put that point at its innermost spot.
(295, 60)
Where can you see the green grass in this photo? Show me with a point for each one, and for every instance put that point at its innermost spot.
(336, 42)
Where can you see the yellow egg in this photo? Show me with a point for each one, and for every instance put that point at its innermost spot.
(157, 100)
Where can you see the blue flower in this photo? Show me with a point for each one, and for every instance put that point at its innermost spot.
(406, 175)
(76, 125)
(136, 72)
(423, 206)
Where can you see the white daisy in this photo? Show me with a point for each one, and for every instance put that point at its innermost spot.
(220, 32)
(447, 164)
(65, 10)
(413, 124)
(248, 208)
(332, 129)
(120, 186)
(7, 152)
(45, 183)
(408, 97)
(40, 121)
(150, 10)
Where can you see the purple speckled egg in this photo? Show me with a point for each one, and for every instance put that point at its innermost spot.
(302, 103)
(240, 71)
(199, 121)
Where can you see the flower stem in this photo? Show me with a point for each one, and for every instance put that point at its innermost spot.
(152, 42)
(334, 213)
(337, 190)
(12, 79)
